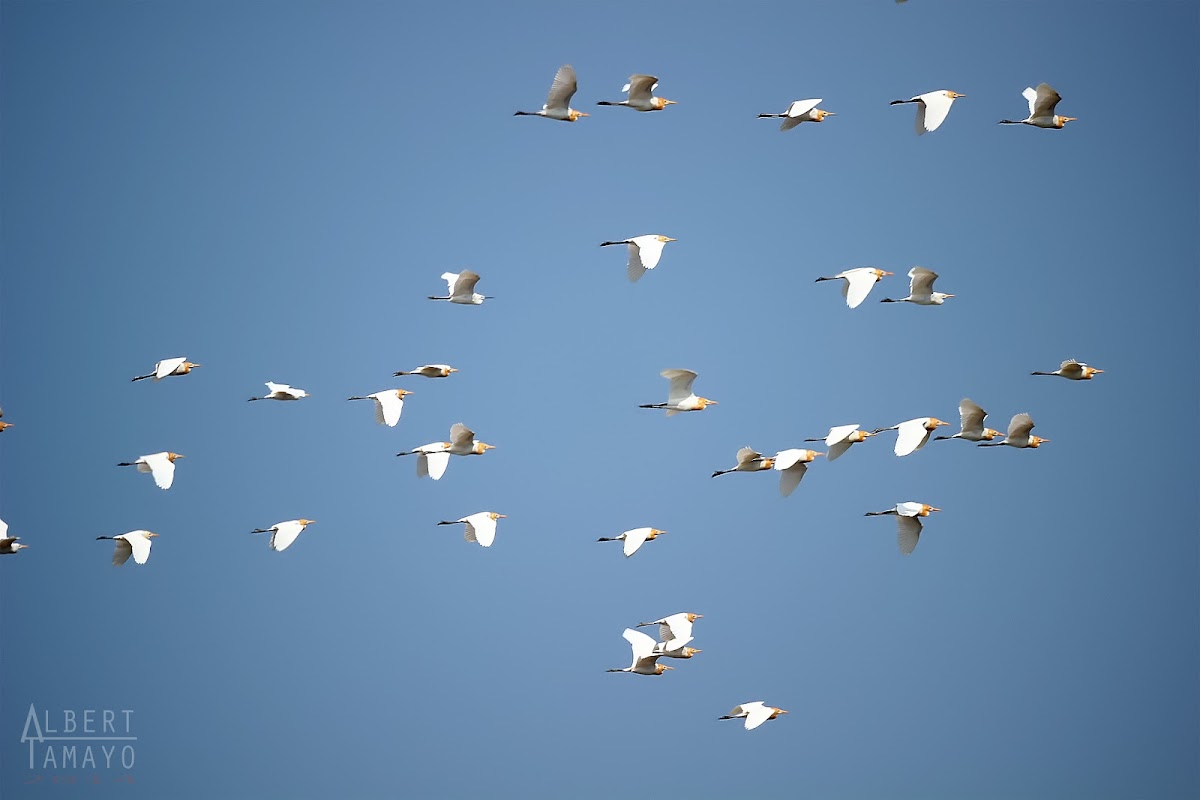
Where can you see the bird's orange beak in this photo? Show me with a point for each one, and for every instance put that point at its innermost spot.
(667, 102)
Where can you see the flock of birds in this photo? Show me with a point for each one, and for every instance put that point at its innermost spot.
(644, 254)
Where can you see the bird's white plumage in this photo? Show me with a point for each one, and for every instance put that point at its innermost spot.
(859, 283)
(480, 528)
(674, 630)
(134, 543)
(388, 407)
(164, 368)
(798, 111)
(160, 466)
(792, 463)
(911, 435)
(908, 531)
(921, 282)
(644, 254)
(632, 540)
(283, 534)
(640, 87)
(1042, 101)
(680, 390)
(281, 391)
(839, 433)
(432, 464)
(932, 108)
(562, 90)
(755, 713)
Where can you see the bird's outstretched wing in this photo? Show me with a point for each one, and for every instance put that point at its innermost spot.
(1047, 100)
(640, 86)
(908, 530)
(563, 89)
(921, 281)
(681, 384)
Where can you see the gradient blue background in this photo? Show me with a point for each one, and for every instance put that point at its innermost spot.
(272, 188)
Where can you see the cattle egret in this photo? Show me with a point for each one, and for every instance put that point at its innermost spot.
(644, 252)
(433, 458)
(558, 102)
(674, 632)
(461, 288)
(1042, 101)
(859, 283)
(171, 366)
(428, 371)
(281, 391)
(913, 433)
(1018, 434)
(480, 527)
(4, 425)
(388, 405)
(284, 533)
(920, 289)
(633, 539)
(932, 108)
(800, 111)
(639, 89)
(160, 465)
(645, 660)
(134, 543)
(793, 464)
(680, 396)
(972, 429)
(9, 544)
(755, 713)
(840, 438)
(908, 523)
(1073, 370)
(748, 460)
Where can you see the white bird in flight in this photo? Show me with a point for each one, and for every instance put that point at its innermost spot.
(168, 367)
(640, 88)
(461, 288)
(841, 437)
(1019, 428)
(793, 464)
(433, 458)
(1073, 370)
(920, 289)
(971, 428)
(755, 713)
(388, 405)
(645, 660)
(633, 539)
(161, 467)
(134, 543)
(913, 434)
(428, 371)
(680, 396)
(859, 282)
(800, 111)
(674, 632)
(9, 544)
(748, 460)
(1042, 102)
(908, 522)
(932, 108)
(281, 391)
(284, 533)
(644, 253)
(480, 528)
(558, 102)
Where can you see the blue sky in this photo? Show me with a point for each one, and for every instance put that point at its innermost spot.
(272, 189)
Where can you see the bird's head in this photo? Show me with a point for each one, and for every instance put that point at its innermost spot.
(821, 114)
(573, 115)
(881, 273)
(4, 425)
(661, 102)
(400, 393)
(860, 436)
(654, 532)
(446, 372)
(188, 365)
(1088, 372)
(694, 617)
(18, 546)
(777, 711)
(149, 535)
(705, 402)
(1037, 441)
(483, 447)
(991, 433)
(1064, 120)
(305, 522)
(767, 463)
(659, 669)
(688, 652)
(496, 516)
(172, 456)
(812, 454)
(954, 95)
(665, 239)
(926, 510)
(935, 423)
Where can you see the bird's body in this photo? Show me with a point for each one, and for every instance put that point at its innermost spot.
(674, 632)
(1042, 102)
(160, 465)
(748, 460)
(971, 428)
(479, 528)
(1018, 435)
(9, 544)
(920, 289)
(640, 89)
(800, 111)
(281, 391)
(858, 283)
(433, 458)
(793, 463)
(388, 405)
(645, 659)
(680, 396)
(134, 543)
(428, 371)
(932, 108)
(633, 539)
(908, 522)
(169, 367)
(913, 434)
(284, 533)
(558, 102)
(841, 437)
(460, 288)
(644, 253)
(754, 714)
(1073, 370)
